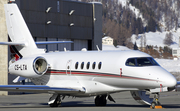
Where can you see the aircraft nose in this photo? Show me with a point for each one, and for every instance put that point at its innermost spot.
(171, 81)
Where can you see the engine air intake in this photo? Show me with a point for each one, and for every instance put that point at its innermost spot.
(40, 65)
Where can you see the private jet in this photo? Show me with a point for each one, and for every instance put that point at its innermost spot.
(82, 73)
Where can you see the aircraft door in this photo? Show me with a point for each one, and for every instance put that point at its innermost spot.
(68, 67)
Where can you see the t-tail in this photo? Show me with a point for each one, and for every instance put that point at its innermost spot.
(21, 39)
(20, 36)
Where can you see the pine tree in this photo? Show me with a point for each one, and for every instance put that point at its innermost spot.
(144, 39)
(168, 39)
(135, 46)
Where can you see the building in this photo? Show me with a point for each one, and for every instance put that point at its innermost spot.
(107, 41)
(176, 51)
(3, 48)
(64, 20)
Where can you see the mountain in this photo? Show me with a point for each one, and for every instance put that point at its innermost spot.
(152, 24)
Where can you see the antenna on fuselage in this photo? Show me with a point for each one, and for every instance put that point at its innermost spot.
(98, 48)
(64, 49)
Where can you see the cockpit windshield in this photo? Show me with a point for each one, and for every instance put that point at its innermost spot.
(142, 61)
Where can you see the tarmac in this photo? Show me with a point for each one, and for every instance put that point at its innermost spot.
(124, 102)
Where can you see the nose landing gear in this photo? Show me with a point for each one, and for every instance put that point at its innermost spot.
(156, 104)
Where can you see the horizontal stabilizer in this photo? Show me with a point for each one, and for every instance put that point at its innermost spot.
(18, 79)
(52, 42)
(40, 89)
(12, 43)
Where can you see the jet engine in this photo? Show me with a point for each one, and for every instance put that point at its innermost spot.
(141, 97)
(29, 67)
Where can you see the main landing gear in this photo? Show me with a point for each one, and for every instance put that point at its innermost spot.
(156, 104)
(55, 100)
(101, 100)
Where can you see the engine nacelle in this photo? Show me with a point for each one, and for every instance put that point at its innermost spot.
(141, 97)
(29, 67)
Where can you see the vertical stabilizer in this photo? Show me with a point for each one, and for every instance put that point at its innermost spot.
(19, 32)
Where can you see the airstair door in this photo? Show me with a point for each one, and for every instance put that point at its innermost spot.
(68, 67)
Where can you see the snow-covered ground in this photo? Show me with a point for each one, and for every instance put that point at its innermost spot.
(169, 65)
(157, 38)
(111, 47)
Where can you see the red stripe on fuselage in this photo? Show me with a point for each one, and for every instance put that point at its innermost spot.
(96, 74)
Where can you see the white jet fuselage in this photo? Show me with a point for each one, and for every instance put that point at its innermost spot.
(99, 72)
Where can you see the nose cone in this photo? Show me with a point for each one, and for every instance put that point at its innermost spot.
(168, 80)
(171, 81)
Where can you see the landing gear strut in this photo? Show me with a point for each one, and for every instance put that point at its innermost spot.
(55, 100)
(100, 100)
(156, 104)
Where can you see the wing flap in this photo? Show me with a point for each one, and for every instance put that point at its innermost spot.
(40, 89)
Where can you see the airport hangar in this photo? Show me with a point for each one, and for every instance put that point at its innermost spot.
(62, 20)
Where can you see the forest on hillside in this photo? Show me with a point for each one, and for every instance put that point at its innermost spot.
(121, 21)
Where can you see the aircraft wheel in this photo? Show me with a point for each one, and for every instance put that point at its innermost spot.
(100, 100)
(153, 104)
(55, 104)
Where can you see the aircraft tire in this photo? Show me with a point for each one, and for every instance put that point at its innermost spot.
(153, 104)
(100, 100)
(55, 104)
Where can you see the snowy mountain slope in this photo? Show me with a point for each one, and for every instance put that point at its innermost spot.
(134, 9)
(166, 12)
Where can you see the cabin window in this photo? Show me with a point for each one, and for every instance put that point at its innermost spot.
(144, 62)
(93, 65)
(131, 62)
(99, 65)
(76, 65)
(82, 65)
(88, 64)
(153, 61)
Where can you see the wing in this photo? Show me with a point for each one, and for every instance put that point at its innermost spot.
(52, 42)
(178, 86)
(178, 83)
(40, 89)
